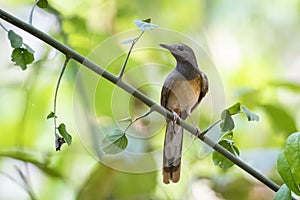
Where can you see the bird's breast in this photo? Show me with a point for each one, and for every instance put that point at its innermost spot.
(184, 94)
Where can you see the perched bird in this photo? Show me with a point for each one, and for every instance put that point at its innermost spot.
(182, 92)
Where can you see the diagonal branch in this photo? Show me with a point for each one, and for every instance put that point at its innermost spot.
(70, 53)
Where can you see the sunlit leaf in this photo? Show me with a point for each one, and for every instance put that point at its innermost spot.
(280, 118)
(114, 143)
(222, 161)
(16, 41)
(287, 174)
(22, 57)
(250, 115)
(51, 115)
(144, 26)
(292, 152)
(228, 135)
(63, 132)
(227, 123)
(284, 193)
(42, 3)
(234, 109)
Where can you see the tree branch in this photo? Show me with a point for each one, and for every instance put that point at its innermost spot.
(70, 53)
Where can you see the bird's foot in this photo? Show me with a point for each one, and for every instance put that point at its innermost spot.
(176, 116)
(198, 133)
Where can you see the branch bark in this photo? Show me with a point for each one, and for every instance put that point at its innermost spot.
(70, 53)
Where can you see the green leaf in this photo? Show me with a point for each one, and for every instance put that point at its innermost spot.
(144, 26)
(228, 135)
(234, 109)
(281, 120)
(63, 132)
(222, 161)
(292, 154)
(51, 115)
(227, 123)
(16, 41)
(148, 20)
(114, 143)
(250, 115)
(42, 3)
(286, 173)
(22, 57)
(284, 193)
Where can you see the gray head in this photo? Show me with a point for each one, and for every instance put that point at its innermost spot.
(182, 52)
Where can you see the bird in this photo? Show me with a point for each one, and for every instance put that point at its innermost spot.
(182, 91)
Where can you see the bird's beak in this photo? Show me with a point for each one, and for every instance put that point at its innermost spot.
(166, 46)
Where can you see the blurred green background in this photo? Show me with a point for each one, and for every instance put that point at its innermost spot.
(253, 45)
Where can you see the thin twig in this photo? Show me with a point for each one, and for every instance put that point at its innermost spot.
(128, 54)
(57, 87)
(2, 26)
(136, 119)
(210, 127)
(57, 137)
(31, 12)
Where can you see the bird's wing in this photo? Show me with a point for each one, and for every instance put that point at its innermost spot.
(166, 89)
(204, 89)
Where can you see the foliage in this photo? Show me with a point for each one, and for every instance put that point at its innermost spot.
(115, 143)
(288, 163)
(256, 54)
(20, 56)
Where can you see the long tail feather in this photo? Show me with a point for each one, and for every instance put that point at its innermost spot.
(172, 153)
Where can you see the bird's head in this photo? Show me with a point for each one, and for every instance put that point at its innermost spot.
(181, 52)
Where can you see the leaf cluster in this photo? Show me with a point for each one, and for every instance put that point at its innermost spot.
(227, 125)
(22, 55)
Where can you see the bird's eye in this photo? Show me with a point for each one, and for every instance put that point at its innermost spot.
(180, 48)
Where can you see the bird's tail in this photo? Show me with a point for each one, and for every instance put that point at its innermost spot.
(172, 153)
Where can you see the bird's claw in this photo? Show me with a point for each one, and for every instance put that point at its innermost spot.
(175, 117)
(198, 133)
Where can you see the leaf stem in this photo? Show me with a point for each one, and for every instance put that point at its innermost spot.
(2, 26)
(136, 119)
(55, 96)
(210, 127)
(128, 54)
(31, 12)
